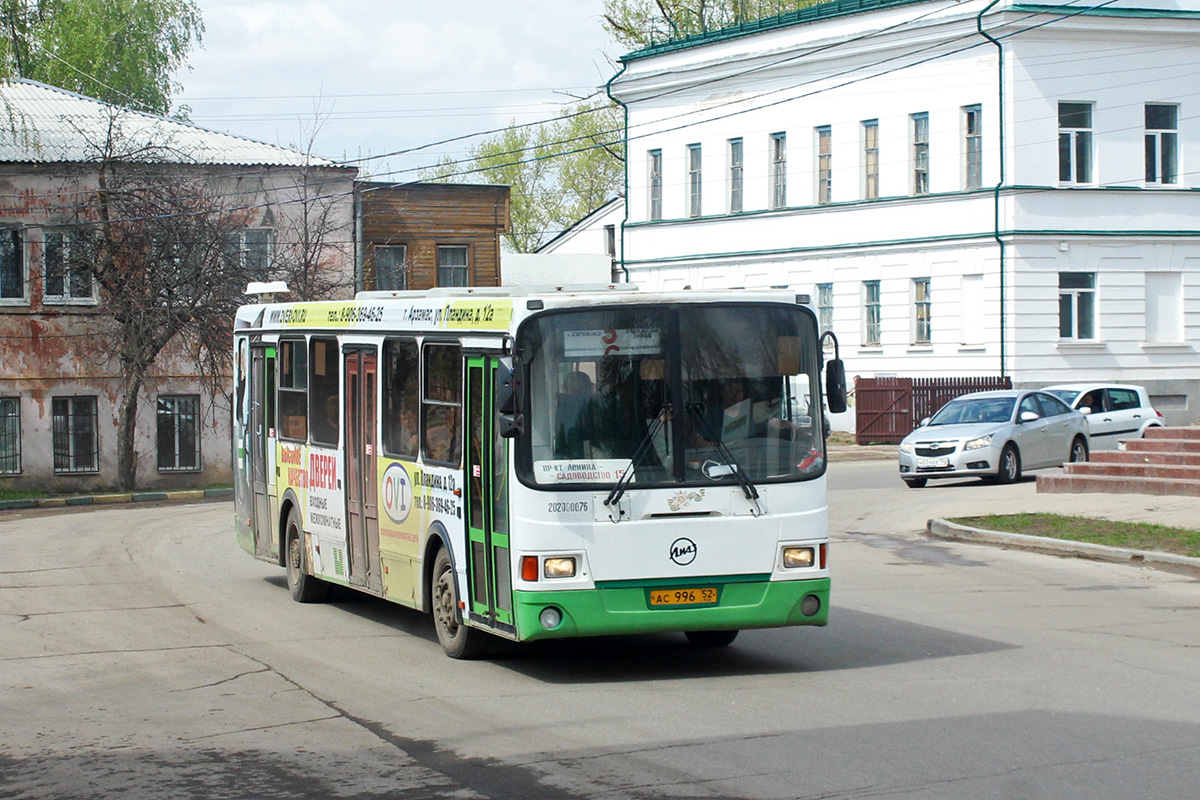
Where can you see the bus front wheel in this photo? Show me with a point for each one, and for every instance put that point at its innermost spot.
(711, 638)
(305, 588)
(458, 640)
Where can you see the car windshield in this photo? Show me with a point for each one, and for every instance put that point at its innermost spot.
(977, 409)
(693, 394)
(1066, 395)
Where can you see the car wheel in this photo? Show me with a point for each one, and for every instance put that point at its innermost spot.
(916, 483)
(1079, 450)
(457, 640)
(1010, 465)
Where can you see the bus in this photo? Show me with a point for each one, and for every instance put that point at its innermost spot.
(529, 464)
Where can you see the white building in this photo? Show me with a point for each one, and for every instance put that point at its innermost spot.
(965, 188)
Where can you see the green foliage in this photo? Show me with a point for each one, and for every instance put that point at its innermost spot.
(120, 51)
(559, 171)
(640, 23)
(1134, 535)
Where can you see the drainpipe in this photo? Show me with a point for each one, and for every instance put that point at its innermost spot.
(359, 277)
(999, 185)
(625, 110)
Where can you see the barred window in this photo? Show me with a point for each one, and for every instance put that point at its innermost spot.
(178, 433)
(76, 444)
(10, 435)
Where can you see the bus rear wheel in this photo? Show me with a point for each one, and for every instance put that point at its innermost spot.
(458, 640)
(305, 588)
(711, 638)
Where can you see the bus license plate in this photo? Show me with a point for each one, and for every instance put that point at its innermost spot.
(683, 597)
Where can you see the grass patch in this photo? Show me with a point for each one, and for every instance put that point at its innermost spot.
(1134, 535)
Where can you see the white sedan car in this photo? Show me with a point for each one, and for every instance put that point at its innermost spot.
(1114, 411)
(993, 435)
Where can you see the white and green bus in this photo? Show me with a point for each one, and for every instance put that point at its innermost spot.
(542, 463)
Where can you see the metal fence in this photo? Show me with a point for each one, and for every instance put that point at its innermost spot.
(888, 409)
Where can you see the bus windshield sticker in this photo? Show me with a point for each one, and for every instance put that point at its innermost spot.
(618, 341)
(583, 470)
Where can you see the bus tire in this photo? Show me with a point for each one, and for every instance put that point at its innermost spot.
(457, 639)
(711, 638)
(305, 588)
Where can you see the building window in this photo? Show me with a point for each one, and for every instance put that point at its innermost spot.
(825, 306)
(10, 435)
(1075, 142)
(735, 176)
(1164, 307)
(1077, 305)
(1161, 144)
(76, 445)
(870, 130)
(252, 250)
(871, 313)
(778, 170)
(824, 164)
(453, 269)
(12, 265)
(391, 267)
(178, 433)
(920, 153)
(656, 184)
(68, 277)
(973, 146)
(694, 180)
(922, 331)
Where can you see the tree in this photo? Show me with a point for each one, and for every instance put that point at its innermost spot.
(559, 170)
(120, 51)
(162, 237)
(640, 23)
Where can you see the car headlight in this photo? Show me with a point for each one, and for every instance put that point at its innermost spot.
(906, 447)
(975, 444)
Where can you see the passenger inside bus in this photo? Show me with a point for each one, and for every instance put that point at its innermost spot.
(442, 437)
(572, 417)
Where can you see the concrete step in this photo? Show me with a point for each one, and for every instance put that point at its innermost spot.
(1190, 432)
(1171, 471)
(1144, 457)
(1161, 445)
(1106, 484)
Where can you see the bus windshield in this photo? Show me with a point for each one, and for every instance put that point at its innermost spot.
(735, 388)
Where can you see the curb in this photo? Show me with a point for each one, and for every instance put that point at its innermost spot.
(107, 499)
(941, 529)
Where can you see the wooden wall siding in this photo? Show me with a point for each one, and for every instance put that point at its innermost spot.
(423, 216)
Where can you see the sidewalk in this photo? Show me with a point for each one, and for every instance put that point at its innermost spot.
(119, 497)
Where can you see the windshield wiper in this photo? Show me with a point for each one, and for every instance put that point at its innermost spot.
(665, 413)
(748, 488)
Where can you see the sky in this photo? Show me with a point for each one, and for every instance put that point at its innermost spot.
(364, 78)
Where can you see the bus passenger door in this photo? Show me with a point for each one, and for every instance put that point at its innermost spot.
(262, 397)
(362, 504)
(488, 562)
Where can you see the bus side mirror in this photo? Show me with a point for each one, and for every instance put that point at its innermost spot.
(835, 378)
(512, 425)
(508, 386)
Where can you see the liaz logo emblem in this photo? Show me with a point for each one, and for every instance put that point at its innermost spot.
(683, 551)
(397, 493)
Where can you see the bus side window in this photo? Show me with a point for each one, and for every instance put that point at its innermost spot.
(441, 422)
(324, 410)
(293, 389)
(401, 398)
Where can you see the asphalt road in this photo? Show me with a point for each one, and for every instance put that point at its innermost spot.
(144, 655)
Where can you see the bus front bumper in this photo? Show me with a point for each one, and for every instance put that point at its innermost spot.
(627, 609)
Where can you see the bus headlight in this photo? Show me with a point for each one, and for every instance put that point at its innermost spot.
(562, 567)
(795, 557)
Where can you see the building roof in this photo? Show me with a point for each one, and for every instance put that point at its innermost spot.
(44, 124)
(820, 11)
